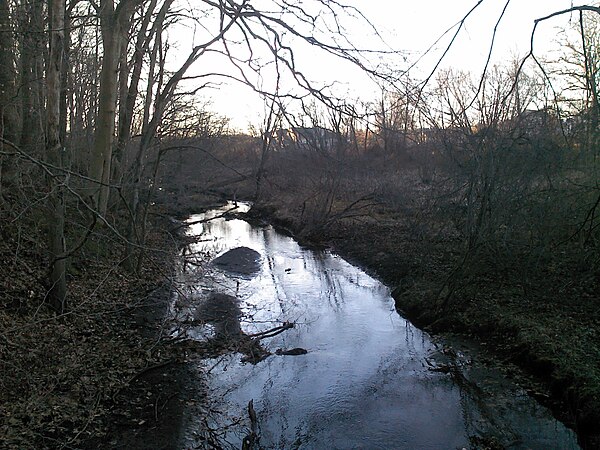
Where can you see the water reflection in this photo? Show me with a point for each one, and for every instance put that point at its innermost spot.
(365, 382)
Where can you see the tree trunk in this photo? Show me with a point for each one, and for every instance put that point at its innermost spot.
(150, 127)
(114, 22)
(32, 56)
(129, 94)
(9, 119)
(56, 208)
(137, 166)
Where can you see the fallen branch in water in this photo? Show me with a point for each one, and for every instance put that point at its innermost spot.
(249, 345)
(272, 332)
(251, 440)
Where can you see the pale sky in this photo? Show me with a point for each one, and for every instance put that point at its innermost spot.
(411, 27)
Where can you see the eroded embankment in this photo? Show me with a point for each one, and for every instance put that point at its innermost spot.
(544, 320)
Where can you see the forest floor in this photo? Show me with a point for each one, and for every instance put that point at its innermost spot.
(545, 320)
(101, 375)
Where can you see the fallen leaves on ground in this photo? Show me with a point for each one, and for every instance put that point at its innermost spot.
(59, 375)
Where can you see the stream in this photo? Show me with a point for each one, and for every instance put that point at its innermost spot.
(369, 379)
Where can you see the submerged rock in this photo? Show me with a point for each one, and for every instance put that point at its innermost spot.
(223, 312)
(240, 260)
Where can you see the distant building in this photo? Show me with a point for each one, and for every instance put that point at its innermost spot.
(315, 139)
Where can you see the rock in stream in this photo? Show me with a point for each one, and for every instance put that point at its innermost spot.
(240, 260)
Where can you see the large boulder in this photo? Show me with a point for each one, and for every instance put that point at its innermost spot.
(240, 260)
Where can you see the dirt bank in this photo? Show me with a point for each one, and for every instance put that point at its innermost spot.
(546, 321)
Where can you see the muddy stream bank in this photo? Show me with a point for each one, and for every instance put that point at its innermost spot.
(367, 379)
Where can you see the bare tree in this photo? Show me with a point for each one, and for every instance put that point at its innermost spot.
(54, 153)
(33, 43)
(132, 72)
(268, 134)
(395, 116)
(9, 116)
(576, 71)
(115, 21)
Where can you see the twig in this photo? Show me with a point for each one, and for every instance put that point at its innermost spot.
(81, 242)
(151, 368)
(272, 332)
(87, 423)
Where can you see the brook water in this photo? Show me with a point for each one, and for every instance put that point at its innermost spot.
(370, 379)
